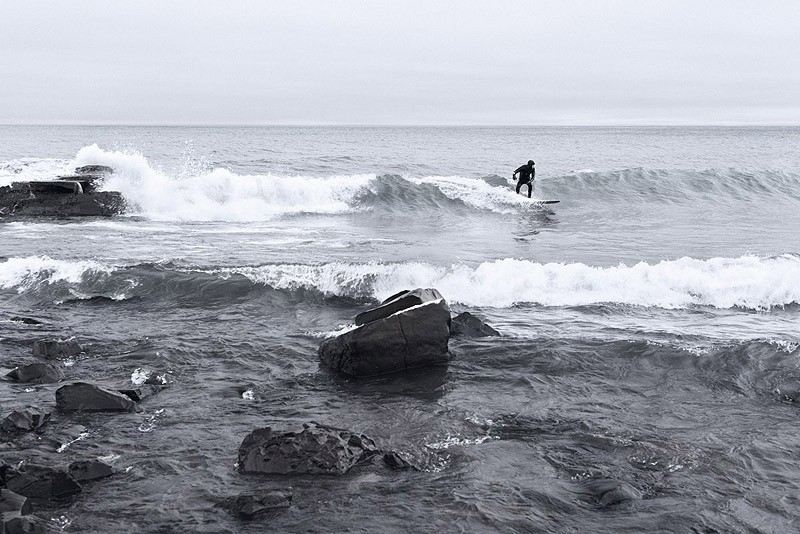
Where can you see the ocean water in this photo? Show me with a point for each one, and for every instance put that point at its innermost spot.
(650, 321)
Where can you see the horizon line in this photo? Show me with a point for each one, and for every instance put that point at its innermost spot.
(408, 125)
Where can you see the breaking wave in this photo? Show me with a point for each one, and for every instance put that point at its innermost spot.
(748, 282)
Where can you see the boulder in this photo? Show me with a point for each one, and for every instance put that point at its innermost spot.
(316, 449)
(56, 348)
(467, 325)
(37, 373)
(87, 470)
(250, 506)
(413, 337)
(24, 420)
(14, 502)
(40, 482)
(395, 460)
(398, 302)
(15, 523)
(83, 397)
(94, 169)
(60, 198)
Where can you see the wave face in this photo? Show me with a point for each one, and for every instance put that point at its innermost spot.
(747, 282)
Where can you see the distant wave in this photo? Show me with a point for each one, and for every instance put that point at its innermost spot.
(749, 282)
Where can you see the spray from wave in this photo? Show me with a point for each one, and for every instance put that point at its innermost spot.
(748, 282)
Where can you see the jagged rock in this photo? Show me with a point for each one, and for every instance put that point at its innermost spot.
(14, 502)
(24, 420)
(14, 523)
(37, 373)
(86, 470)
(608, 492)
(395, 460)
(398, 302)
(250, 506)
(56, 348)
(317, 449)
(413, 337)
(467, 325)
(41, 482)
(25, 320)
(138, 394)
(83, 397)
(61, 198)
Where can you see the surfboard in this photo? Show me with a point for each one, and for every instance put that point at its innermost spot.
(544, 201)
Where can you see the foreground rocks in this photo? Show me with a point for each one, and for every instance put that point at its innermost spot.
(24, 420)
(66, 196)
(316, 449)
(467, 325)
(408, 330)
(88, 470)
(36, 373)
(40, 482)
(84, 397)
(250, 506)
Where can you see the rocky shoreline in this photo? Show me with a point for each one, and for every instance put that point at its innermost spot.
(75, 195)
(408, 331)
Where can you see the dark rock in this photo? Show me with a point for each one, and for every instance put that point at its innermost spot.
(63, 198)
(250, 506)
(609, 492)
(467, 325)
(84, 471)
(83, 397)
(40, 482)
(398, 302)
(395, 460)
(56, 348)
(317, 449)
(94, 169)
(25, 320)
(24, 420)
(139, 393)
(14, 502)
(25, 524)
(414, 337)
(37, 373)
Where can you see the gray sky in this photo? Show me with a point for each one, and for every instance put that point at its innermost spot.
(400, 62)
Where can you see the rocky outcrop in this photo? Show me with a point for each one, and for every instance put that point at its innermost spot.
(83, 397)
(395, 339)
(86, 470)
(15, 523)
(56, 348)
(40, 482)
(36, 373)
(14, 502)
(467, 325)
(65, 196)
(24, 420)
(140, 393)
(250, 506)
(316, 449)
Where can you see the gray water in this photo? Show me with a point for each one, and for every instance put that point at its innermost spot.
(647, 320)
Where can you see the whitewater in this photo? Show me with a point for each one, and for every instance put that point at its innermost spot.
(650, 321)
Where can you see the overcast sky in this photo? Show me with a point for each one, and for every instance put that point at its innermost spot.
(400, 62)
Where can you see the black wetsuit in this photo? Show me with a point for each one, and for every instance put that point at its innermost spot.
(526, 175)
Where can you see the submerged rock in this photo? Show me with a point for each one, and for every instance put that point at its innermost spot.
(250, 506)
(394, 460)
(143, 391)
(37, 373)
(412, 337)
(87, 470)
(25, 320)
(25, 524)
(14, 502)
(56, 348)
(41, 482)
(24, 420)
(609, 492)
(316, 449)
(467, 325)
(788, 391)
(83, 397)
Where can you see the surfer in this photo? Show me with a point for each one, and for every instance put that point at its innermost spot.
(526, 174)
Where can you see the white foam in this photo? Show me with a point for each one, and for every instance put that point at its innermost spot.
(26, 272)
(749, 281)
(476, 193)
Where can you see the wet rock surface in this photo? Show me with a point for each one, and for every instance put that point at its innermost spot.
(85, 397)
(251, 506)
(398, 302)
(415, 336)
(36, 373)
(316, 449)
(87, 470)
(40, 483)
(24, 420)
(467, 325)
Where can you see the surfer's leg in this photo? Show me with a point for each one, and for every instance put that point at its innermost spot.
(519, 184)
(530, 188)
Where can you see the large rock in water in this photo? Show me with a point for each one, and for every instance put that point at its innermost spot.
(317, 449)
(40, 482)
(83, 397)
(467, 325)
(24, 420)
(395, 339)
(37, 373)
